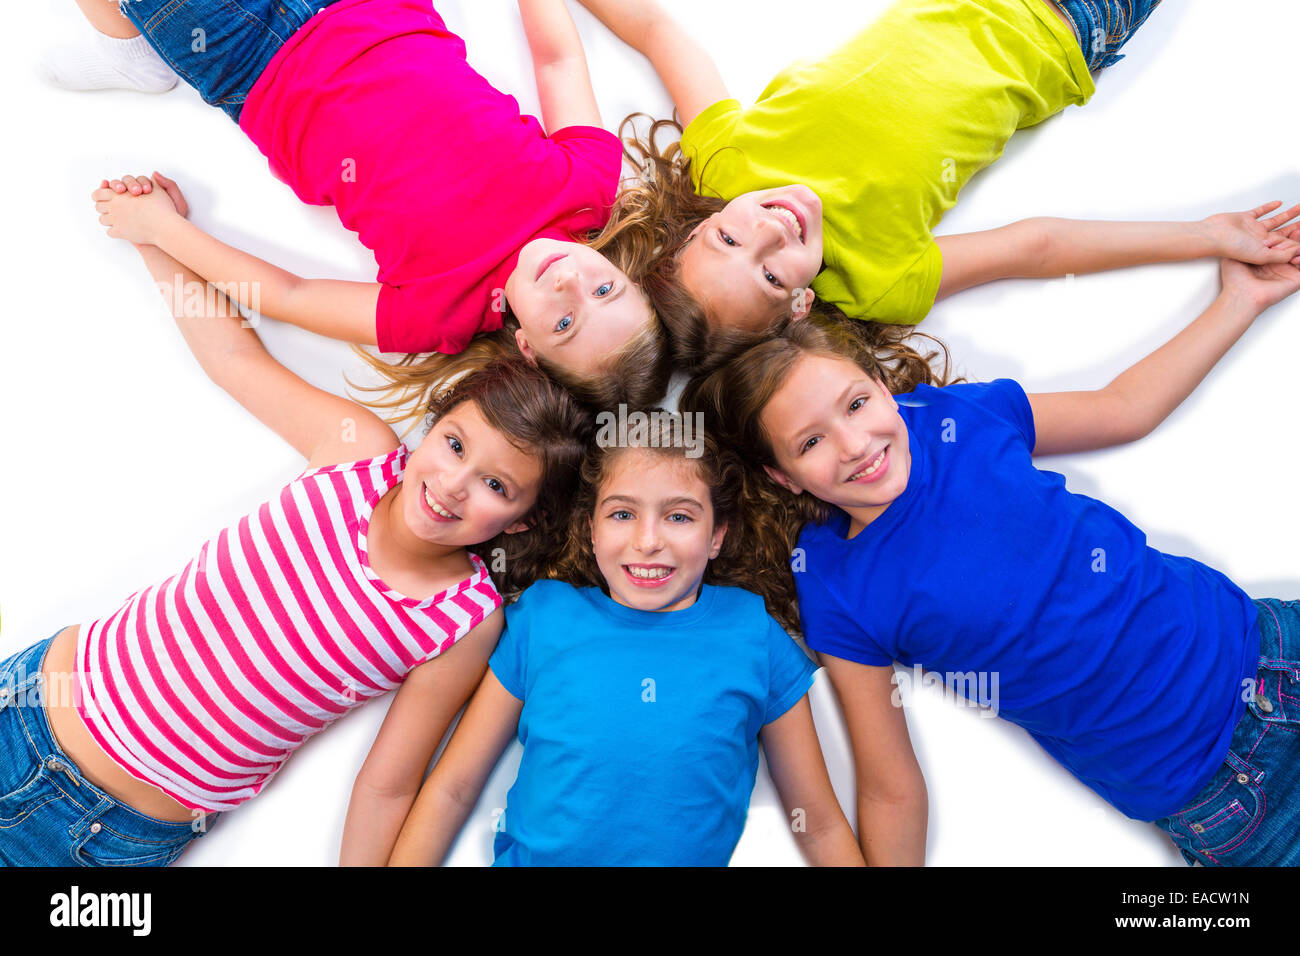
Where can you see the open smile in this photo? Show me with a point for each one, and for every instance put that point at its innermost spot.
(648, 575)
(874, 468)
(434, 508)
(791, 216)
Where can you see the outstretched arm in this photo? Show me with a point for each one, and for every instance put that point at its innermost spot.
(1146, 394)
(559, 64)
(1045, 248)
(687, 70)
(893, 807)
(794, 758)
(448, 796)
(147, 216)
(419, 716)
(325, 428)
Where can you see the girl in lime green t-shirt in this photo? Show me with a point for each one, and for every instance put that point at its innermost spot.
(829, 186)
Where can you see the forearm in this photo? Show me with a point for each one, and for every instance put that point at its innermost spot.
(373, 823)
(1077, 246)
(431, 826)
(209, 322)
(552, 37)
(264, 288)
(892, 831)
(629, 20)
(830, 845)
(1155, 386)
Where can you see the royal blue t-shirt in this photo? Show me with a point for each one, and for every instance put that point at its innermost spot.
(1126, 664)
(639, 728)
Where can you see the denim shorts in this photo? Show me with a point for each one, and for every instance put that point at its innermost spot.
(220, 47)
(50, 815)
(1249, 812)
(1104, 26)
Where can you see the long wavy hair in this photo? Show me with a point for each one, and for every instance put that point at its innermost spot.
(642, 224)
(544, 421)
(746, 559)
(733, 397)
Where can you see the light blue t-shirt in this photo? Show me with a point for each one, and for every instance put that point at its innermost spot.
(639, 728)
(1125, 663)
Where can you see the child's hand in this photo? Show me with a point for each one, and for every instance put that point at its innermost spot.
(1248, 237)
(1260, 285)
(133, 209)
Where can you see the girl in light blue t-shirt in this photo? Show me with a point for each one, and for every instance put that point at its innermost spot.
(640, 700)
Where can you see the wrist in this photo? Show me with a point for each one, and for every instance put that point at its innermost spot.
(1240, 303)
(1208, 240)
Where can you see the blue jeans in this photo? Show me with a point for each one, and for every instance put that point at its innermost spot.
(1249, 813)
(50, 815)
(1105, 25)
(220, 47)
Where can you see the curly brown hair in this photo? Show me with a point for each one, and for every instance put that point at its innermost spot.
(641, 225)
(733, 398)
(750, 549)
(543, 420)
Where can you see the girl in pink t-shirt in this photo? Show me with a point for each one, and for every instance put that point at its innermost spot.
(480, 218)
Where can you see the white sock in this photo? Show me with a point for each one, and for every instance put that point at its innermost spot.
(108, 63)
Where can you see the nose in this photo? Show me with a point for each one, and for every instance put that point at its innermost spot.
(455, 484)
(853, 443)
(769, 234)
(648, 540)
(565, 277)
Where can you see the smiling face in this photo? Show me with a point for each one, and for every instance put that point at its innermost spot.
(467, 483)
(575, 307)
(836, 433)
(653, 531)
(752, 262)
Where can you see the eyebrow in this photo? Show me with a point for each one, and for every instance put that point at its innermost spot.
(670, 503)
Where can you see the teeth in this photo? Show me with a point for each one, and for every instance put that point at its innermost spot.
(872, 468)
(649, 572)
(428, 499)
(789, 217)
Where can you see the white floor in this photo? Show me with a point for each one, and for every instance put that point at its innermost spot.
(120, 457)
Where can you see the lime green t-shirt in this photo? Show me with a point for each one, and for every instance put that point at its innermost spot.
(887, 130)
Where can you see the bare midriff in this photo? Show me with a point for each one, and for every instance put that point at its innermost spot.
(74, 739)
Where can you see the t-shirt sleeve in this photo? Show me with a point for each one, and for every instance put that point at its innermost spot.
(508, 661)
(1006, 399)
(911, 297)
(828, 627)
(439, 313)
(596, 159)
(708, 133)
(790, 670)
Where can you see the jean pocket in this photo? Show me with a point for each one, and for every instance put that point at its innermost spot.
(33, 792)
(1220, 820)
(100, 845)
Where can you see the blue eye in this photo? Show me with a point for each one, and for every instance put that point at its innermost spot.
(621, 515)
(727, 239)
(605, 290)
(564, 323)
(685, 518)
(771, 278)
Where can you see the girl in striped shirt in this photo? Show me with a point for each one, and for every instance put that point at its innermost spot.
(121, 737)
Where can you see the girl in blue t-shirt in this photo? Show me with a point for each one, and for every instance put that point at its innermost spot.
(937, 544)
(640, 699)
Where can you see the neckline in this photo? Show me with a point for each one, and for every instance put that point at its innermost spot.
(364, 514)
(686, 617)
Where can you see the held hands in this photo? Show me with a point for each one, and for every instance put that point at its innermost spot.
(1249, 237)
(133, 208)
(1261, 285)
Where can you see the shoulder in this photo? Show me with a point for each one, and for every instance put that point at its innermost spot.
(541, 596)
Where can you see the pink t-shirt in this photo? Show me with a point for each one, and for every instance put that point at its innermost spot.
(372, 107)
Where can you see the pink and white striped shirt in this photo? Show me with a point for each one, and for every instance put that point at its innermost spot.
(204, 684)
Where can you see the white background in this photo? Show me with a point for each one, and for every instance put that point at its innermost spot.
(120, 457)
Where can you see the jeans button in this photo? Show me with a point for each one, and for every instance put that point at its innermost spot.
(1197, 828)
(4, 694)
(1242, 779)
(1265, 704)
(54, 764)
(96, 827)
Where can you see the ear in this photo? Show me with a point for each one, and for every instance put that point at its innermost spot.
(782, 479)
(521, 340)
(803, 300)
(591, 530)
(517, 527)
(715, 543)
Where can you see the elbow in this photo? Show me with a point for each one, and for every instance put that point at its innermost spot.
(1036, 242)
